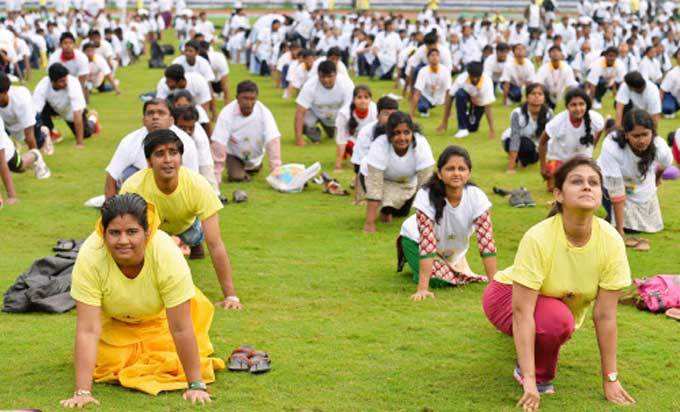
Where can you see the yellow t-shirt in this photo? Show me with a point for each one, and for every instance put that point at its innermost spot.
(193, 198)
(164, 282)
(546, 262)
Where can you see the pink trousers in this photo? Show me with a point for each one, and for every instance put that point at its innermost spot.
(554, 325)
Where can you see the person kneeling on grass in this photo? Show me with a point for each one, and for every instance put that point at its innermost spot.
(396, 166)
(436, 239)
(351, 119)
(473, 94)
(186, 204)
(244, 131)
(13, 161)
(141, 322)
(527, 124)
(563, 265)
(632, 162)
(60, 94)
(431, 85)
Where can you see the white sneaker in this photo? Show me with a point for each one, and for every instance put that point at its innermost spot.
(462, 133)
(48, 146)
(285, 95)
(669, 116)
(426, 114)
(39, 167)
(597, 105)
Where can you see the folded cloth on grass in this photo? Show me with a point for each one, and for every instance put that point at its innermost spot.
(45, 286)
(142, 355)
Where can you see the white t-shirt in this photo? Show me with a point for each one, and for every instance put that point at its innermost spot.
(6, 143)
(218, 64)
(298, 74)
(433, 85)
(78, 66)
(493, 68)
(519, 75)
(200, 66)
(564, 140)
(556, 81)
(342, 135)
(64, 101)
(613, 74)
(202, 146)
(616, 162)
(363, 142)
(671, 83)
(325, 103)
(130, 152)
(482, 94)
(456, 225)
(401, 169)
(19, 112)
(246, 137)
(99, 66)
(197, 85)
(649, 100)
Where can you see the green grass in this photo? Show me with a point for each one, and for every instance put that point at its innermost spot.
(322, 297)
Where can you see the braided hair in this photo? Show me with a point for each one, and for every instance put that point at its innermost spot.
(637, 117)
(353, 123)
(542, 114)
(574, 93)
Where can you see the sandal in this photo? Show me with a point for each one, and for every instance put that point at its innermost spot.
(239, 359)
(673, 313)
(260, 362)
(334, 188)
(643, 246)
(631, 241)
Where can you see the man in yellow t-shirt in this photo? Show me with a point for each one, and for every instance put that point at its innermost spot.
(186, 204)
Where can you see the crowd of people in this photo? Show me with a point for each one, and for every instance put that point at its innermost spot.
(162, 184)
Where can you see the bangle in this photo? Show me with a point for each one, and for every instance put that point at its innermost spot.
(233, 298)
(82, 392)
(197, 386)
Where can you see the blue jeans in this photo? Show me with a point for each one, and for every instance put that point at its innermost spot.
(284, 73)
(469, 116)
(424, 105)
(194, 235)
(669, 104)
(515, 93)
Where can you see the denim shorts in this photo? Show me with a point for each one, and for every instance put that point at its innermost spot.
(194, 235)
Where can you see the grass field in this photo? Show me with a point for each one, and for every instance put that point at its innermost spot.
(324, 298)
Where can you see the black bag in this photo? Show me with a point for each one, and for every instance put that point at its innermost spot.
(168, 49)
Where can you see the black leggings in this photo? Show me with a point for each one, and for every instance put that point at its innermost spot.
(527, 153)
(46, 120)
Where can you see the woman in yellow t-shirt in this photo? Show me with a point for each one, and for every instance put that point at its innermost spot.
(563, 265)
(141, 322)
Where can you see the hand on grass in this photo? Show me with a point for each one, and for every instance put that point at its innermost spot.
(422, 295)
(531, 399)
(615, 393)
(12, 200)
(369, 228)
(78, 401)
(229, 304)
(195, 396)
(441, 129)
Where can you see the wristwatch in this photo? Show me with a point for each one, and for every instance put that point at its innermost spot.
(233, 298)
(198, 386)
(612, 377)
(82, 392)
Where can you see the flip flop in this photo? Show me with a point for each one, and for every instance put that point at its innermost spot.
(334, 188)
(631, 241)
(260, 363)
(673, 313)
(239, 359)
(643, 246)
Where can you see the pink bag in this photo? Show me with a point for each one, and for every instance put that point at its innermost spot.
(658, 293)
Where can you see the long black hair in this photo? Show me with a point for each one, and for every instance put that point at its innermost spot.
(398, 118)
(353, 123)
(436, 187)
(576, 92)
(542, 114)
(637, 117)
